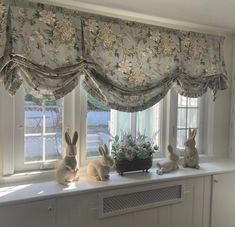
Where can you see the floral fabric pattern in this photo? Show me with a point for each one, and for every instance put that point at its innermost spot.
(43, 50)
(128, 66)
(136, 64)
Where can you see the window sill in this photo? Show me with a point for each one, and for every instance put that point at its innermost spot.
(28, 177)
(47, 175)
(35, 191)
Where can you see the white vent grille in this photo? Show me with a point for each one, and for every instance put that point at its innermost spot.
(124, 202)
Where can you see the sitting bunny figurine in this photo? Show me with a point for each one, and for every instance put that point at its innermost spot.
(191, 158)
(170, 164)
(99, 169)
(67, 170)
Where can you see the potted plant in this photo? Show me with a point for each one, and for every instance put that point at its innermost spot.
(132, 153)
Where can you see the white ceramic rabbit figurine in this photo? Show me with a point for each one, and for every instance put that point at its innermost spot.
(168, 165)
(67, 170)
(99, 169)
(191, 158)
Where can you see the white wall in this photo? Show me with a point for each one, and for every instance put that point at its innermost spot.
(222, 106)
(232, 122)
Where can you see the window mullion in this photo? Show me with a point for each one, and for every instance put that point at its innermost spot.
(133, 124)
(187, 125)
(43, 132)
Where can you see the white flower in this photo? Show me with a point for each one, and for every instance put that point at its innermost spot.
(155, 36)
(91, 25)
(168, 46)
(106, 37)
(147, 51)
(124, 66)
(211, 71)
(137, 76)
(47, 17)
(187, 43)
(130, 154)
(64, 30)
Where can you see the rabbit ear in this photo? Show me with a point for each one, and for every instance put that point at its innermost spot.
(67, 138)
(101, 150)
(189, 133)
(75, 138)
(106, 150)
(194, 133)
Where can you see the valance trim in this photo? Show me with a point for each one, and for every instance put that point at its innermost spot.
(128, 66)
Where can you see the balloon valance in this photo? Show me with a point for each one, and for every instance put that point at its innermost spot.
(128, 66)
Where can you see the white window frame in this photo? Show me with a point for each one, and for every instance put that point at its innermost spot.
(19, 164)
(84, 160)
(203, 124)
(199, 125)
(13, 137)
(75, 114)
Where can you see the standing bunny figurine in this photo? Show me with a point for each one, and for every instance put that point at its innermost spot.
(170, 164)
(67, 170)
(99, 169)
(191, 158)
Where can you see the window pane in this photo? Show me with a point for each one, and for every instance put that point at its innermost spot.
(33, 148)
(192, 118)
(58, 102)
(32, 101)
(148, 123)
(33, 119)
(123, 123)
(98, 126)
(193, 102)
(182, 101)
(43, 125)
(54, 119)
(181, 122)
(181, 138)
(53, 147)
(188, 117)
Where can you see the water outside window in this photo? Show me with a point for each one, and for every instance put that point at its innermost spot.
(43, 125)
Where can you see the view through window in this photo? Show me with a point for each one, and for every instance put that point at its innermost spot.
(43, 126)
(188, 117)
(102, 122)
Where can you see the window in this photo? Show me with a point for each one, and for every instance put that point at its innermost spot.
(103, 122)
(148, 123)
(43, 127)
(35, 136)
(39, 131)
(188, 116)
(98, 126)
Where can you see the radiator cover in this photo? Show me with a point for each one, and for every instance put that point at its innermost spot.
(122, 201)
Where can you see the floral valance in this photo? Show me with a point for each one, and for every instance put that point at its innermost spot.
(128, 66)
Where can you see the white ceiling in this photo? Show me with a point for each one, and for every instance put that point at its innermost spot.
(214, 13)
(217, 13)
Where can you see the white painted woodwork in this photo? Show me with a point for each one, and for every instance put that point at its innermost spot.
(21, 192)
(78, 205)
(32, 214)
(223, 200)
(83, 210)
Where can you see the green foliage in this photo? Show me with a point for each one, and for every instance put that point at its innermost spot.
(129, 148)
(95, 105)
(37, 101)
(31, 98)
